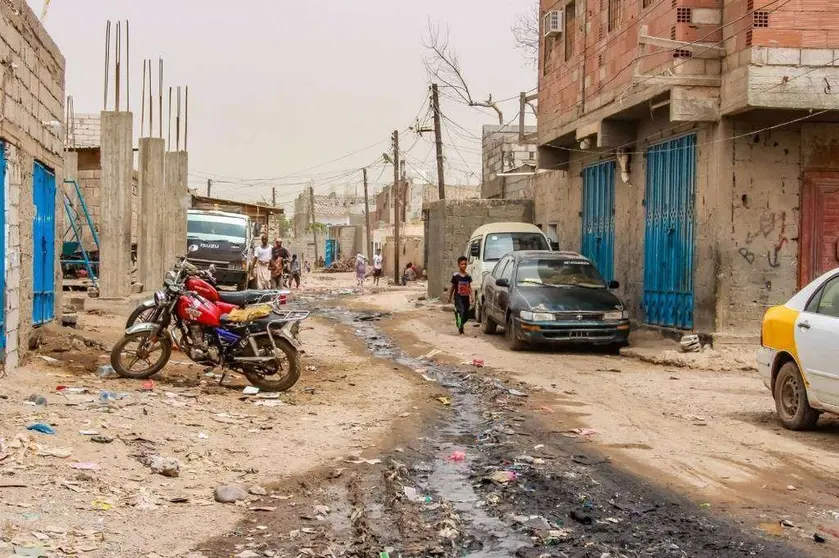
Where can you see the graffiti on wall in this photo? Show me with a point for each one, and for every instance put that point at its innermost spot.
(772, 226)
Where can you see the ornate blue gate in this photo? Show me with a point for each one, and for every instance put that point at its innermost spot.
(668, 244)
(43, 235)
(599, 217)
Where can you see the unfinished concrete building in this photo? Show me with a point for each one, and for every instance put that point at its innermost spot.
(31, 170)
(690, 149)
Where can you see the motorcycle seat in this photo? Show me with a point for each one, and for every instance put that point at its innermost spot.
(243, 298)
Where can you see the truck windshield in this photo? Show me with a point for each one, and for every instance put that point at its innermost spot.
(208, 228)
(499, 244)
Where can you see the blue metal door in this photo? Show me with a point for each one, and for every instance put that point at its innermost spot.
(330, 251)
(668, 244)
(599, 217)
(2, 249)
(43, 253)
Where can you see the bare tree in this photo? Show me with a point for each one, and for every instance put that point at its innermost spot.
(443, 66)
(526, 33)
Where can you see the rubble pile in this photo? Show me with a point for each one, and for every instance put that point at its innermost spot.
(339, 266)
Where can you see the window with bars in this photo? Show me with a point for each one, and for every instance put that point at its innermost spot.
(683, 15)
(615, 14)
(570, 30)
(761, 19)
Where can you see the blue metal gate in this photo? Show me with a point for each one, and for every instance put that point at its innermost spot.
(668, 244)
(330, 252)
(599, 217)
(43, 235)
(2, 249)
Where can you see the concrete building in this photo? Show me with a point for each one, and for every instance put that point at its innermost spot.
(506, 151)
(690, 149)
(32, 172)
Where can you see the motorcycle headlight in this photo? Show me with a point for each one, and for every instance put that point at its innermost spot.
(536, 316)
(616, 315)
(160, 298)
(170, 277)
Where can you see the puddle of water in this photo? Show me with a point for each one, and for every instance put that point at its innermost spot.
(447, 479)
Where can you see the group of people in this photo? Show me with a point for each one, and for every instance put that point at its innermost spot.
(361, 268)
(271, 263)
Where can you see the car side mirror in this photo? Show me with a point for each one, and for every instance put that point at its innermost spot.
(614, 285)
(475, 250)
(502, 283)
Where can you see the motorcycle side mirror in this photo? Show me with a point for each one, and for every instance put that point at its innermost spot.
(212, 268)
(193, 248)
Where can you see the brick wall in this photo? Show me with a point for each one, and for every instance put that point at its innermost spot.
(32, 107)
(451, 223)
(90, 182)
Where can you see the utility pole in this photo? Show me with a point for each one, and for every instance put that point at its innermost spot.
(209, 186)
(367, 217)
(438, 140)
(397, 213)
(274, 196)
(312, 213)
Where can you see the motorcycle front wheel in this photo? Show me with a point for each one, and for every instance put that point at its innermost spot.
(136, 356)
(282, 375)
(141, 314)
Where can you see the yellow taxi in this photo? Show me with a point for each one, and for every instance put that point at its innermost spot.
(798, 358)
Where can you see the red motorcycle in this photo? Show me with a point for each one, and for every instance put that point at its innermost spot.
(265, 350)
(203, 283)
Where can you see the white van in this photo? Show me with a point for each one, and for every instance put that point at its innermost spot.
(489, 243)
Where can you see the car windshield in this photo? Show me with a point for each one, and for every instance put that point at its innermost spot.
(499, 244)
(558, 273)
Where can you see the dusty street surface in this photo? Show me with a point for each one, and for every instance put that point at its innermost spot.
(395, 442)
(66, 494)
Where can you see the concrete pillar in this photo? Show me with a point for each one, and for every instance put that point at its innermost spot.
(177, 195)
(115, 220)
(151, 261)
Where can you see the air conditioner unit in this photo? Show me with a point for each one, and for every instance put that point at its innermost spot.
(553, 23)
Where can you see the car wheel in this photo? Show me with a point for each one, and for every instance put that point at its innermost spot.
(488, 326)
(791, 401)
(513, 340)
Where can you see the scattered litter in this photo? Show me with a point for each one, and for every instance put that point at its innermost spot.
(101, 439)
(445, 400)
(311, 368)
(107, 396)
(99, 505)
(428, 379)
(538, 446)
(38, 400)
(478, 362)
(790, 487)
(322, 510)
(89, 432)
(502, 477)
(263, 508)
(250, 390)
(49, 359)
(818, 538)
(516, 393)
(229, 494)
(690, 344)
(413, 495)
(268, 403)
(705, 505)
(457, 456)
(580, 517)
(41, 427)
(788, 523)
(202, 436)
(85, 466)
(148, 385)
(384, 555)
(106, 371)
(70, 389)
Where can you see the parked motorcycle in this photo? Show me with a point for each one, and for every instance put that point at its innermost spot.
(203, 283)
(265, 349)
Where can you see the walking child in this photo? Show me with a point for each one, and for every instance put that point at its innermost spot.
(461, 293)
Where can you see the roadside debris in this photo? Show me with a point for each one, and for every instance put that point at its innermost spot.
(106, 371)
(457, 456)
(690, 344)
(41, 427)
(478, 362)
(166, 466)
(444, 399)
(37, 400)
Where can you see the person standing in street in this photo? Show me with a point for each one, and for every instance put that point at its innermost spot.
(360, 269)
(377, 267)
(262, 256)
(295, 271)
(280, 258)
(461, 293)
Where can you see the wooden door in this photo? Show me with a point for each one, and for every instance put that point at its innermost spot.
(819, 225)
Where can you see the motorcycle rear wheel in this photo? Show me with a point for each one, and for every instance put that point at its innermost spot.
(277, 381)
(125, 368)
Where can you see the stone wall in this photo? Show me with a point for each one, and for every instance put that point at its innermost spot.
(451, 223)
(32, 83)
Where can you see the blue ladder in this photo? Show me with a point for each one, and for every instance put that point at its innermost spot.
(76, 226)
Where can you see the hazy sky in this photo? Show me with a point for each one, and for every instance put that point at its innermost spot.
(279, 89)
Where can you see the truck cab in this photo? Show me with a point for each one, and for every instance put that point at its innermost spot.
(224, 240)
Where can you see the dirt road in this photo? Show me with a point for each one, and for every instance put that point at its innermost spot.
(394, 442)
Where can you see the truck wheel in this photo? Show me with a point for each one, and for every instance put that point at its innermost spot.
(791, 401)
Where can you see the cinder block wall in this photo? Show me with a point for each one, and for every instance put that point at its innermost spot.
(32, 108)
(451, 224)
